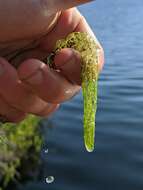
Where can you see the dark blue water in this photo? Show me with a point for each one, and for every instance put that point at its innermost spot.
(117, 162)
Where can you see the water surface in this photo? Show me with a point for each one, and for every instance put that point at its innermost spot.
(117, 162)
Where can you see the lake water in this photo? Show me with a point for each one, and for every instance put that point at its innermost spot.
(117, 162)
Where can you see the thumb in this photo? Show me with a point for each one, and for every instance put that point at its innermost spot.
(68, 61)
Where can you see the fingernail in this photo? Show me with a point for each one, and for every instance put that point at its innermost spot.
(36, 78)
(65, 58)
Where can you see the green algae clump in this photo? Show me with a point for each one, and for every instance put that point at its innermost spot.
(88, 49)
(20, 146)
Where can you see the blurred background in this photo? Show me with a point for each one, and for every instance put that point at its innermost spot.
(117, 162)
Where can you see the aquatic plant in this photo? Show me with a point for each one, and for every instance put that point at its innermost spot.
(18, 144)
(88, 49)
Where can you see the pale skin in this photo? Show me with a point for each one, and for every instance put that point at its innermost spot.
(33, 87)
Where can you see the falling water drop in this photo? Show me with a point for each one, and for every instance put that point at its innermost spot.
(46, 151)
(50, 179)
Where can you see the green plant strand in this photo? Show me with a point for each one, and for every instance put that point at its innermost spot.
(88, 48)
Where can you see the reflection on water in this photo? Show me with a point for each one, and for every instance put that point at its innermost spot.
(117, 162)
(50, 179)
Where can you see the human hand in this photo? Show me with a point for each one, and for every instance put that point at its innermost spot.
(24, 90)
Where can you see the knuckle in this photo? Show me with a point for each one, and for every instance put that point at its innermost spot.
(50, 108)
(17, 117)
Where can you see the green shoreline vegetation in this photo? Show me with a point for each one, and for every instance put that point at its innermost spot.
(19, 145)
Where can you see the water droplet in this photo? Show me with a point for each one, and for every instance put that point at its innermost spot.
(46, 151)
(50, 179)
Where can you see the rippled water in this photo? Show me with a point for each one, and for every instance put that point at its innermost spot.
(117, 162)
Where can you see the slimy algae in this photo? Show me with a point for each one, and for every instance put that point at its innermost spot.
(88, 49)
(20, 146)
